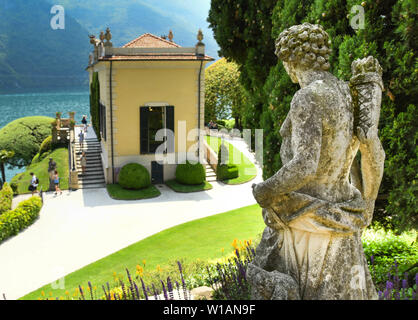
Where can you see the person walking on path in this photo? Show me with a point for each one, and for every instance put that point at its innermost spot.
(81, 138)
(84, 122)
(51, 169)
(83, 162)
(33, 187)
(57, 183)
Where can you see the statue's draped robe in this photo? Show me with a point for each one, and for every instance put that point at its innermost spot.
(322, 254)
(313, 233)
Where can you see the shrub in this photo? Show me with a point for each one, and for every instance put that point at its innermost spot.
(46, 145)
(384, 249)
(14, 187)
(190, 174)
(226, 172)
(12, 222)
(24, 137)
(6, 198)
(134, 176)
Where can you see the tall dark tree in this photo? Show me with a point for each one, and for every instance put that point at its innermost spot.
(245, 30)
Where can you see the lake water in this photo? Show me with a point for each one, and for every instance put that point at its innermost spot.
(18, 105)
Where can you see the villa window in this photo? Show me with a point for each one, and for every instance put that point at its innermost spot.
(153, 119)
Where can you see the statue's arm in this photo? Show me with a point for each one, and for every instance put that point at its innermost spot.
(372, 163)
(306, 138)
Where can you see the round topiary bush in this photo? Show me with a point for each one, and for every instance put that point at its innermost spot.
(190, 174)
(24, 137)
(134, 176)
(227, 171)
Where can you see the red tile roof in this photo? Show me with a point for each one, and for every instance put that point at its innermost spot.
(161, 57)
(148, 40)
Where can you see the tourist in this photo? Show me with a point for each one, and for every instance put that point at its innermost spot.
(83, 162)
(57, 183)
(33, 187)
(81, 138)
(84, 122)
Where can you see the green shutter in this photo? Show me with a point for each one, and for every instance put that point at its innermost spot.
(169, 124)
(143, 114)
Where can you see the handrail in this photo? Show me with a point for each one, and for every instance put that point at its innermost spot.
(69, 163)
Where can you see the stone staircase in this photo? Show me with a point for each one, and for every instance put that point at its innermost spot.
(94, 175)
(210, 174)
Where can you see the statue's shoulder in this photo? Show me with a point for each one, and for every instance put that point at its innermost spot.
(310, 96)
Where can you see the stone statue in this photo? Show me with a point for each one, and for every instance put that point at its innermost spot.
(317, 205)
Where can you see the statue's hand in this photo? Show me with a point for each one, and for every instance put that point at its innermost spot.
(262, 194)
(366, 137)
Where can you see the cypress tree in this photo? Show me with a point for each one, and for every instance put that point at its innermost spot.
(246, 33)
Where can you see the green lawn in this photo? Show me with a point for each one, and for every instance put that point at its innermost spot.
(183, 188)
(118, 193)
(247, 170)
(199, 239)
(40, 169)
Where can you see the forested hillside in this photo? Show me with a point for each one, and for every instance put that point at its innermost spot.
(32, 54)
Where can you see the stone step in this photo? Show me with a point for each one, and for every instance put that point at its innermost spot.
(88, 150)
(90, 181)
(91, 164)
(96, 150)
(90, 169)
(89, 174)
(90, 157)
(92, 186)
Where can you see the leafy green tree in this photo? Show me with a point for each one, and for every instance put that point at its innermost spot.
(246, 31)
(24, 136)
(224, 95)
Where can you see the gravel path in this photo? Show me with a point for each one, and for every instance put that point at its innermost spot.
(83, 226)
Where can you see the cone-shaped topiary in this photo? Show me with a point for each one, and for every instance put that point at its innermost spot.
(134, 176)
(190, 174)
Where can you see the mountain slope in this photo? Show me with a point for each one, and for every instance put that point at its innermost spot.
(128, 19)
(32, 54)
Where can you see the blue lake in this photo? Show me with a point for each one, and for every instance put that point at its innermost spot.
(18, 105)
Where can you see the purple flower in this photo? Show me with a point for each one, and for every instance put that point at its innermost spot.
(164, 290)
(104, 290)
(137, 292)
(81, 292)
(372, 259)
(144, 290)
(91, 290)
(155, 292)
(170, 288)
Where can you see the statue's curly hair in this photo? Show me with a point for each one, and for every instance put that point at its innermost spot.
(306, 44)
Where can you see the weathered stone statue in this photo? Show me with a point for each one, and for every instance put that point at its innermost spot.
(317, 205)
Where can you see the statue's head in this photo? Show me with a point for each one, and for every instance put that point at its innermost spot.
(304, 47)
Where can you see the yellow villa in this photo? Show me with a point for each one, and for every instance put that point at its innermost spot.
(148, 86)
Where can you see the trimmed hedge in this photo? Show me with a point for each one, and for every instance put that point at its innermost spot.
(12, 222)
(190, 174)
(6, 198)
(134, 176)
(227, 171)
(46, 145)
